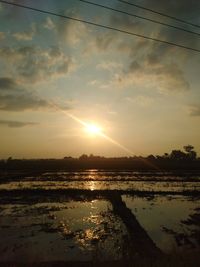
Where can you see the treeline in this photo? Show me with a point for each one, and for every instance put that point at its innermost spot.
(176, 160)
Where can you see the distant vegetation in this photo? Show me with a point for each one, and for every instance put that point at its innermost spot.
(176, 160)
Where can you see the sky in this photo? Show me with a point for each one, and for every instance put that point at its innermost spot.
(58, 75)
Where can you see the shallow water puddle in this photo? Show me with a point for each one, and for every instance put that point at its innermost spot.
(168, 220)
(152, 186)
(60, 231)
(95, 230)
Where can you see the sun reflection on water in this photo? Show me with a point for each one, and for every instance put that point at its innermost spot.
(92, 185)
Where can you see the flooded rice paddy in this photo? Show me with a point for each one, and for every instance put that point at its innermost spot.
(97, 216)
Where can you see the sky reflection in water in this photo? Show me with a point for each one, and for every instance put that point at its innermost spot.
(88, 228)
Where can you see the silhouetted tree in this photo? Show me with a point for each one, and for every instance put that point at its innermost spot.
(151, 157)
(9, 159)
(188, 148)
(84, 156)
(178, 155)
(166, 155)
(190, 152)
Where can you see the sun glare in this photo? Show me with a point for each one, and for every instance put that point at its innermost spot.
(93, 129)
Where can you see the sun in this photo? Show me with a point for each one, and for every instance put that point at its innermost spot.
(93, 129)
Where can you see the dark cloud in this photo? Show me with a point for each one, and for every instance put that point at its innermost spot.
(16, 124)
(164, 78)
(157, 65)
(22, 102)
(183, 9)
(12, 12)
(7, 83)
(126, 22)
(13, 97)
(188, 10)
(109, 39)
(134, 67)
(171, 77)
(34, 64)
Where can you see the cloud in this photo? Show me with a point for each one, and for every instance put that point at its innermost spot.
(71, 32)
(134, 67)
(194, 110)
(141, 100)
(16, 124)
(163, 77)
(7, 83)
(25, 35)
(93, 82)
(183, 9)
(13, 97)
(152, 64)
(168, 77)
(2, 36)
(49, 24)
(12, 13)
(109, 65)
(146, 63)
(180, 8)
(101, 42)
(126, 23)
(34, 64)
(22, 102)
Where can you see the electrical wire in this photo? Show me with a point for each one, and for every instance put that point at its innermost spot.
(140, 17)
(160, 13)
(101, 26)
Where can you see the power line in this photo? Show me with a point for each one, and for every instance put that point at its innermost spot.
(140, 17)
(101, 26)
(160, 13)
